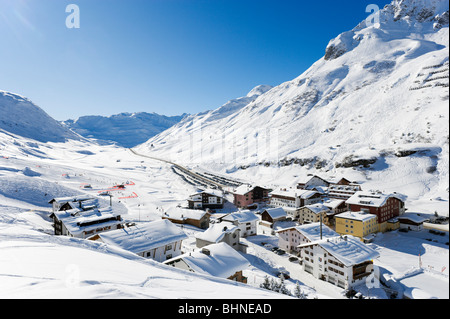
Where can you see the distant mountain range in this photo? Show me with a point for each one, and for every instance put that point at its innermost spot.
(124, 129)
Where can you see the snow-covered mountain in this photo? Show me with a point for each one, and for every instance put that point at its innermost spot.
(374, 108)
(20, 116)
(125, 129)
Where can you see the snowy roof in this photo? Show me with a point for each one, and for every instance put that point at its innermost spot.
(71, 199)
(373, 199)
(414, 217)
(244, 216)
(361, 216)
(350, 188)
(179, 213)
(216, 232)
(348, 250)
(244, 189)
(312, 231)
(145, 236)
(221, 261)
(317, 208)
(333, 203)
(293, 193)
(214, 192)
(77, 221)
(276, 212)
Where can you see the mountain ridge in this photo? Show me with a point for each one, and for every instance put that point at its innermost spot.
(386, 93)
(125, 129)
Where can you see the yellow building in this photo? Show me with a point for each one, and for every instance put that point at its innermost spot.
(358, 224)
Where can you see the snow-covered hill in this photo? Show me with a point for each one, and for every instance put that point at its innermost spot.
(20, 116)
(374, 109)
(125, 129)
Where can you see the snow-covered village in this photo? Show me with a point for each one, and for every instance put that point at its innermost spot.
(333, 185)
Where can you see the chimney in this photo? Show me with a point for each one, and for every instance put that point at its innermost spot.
(206, 251)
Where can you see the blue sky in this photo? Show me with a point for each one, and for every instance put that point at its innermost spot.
(164, 56)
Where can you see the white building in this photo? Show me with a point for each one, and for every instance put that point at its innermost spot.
(312, 213)
(412, 221)
(290, 238)
(245, 220)
(209, 198)
(224, 232)
(343, 261)
(75, 202)
(85, 223)
(217, 260)
(159, 240)
(293, 198)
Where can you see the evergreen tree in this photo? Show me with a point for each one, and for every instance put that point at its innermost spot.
(266, 283)
(274, 286)
(298, 292)
(282, 287)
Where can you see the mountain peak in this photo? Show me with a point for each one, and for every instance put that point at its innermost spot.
(20, 116)
(398, 15)
(259, 90)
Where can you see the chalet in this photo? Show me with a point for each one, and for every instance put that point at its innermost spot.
(344, 261)
(313, 213)
(290, 238)
(343, 192)
(83, 224)
(197, 218)
(212, 199)
(271, 215)
(223, 232)
(293, 199)
(246, 221)
(158, 240)
(75, 202)
(336, 206)
(217, 260)
(412, 221)
(358, 224)
(313, 182)
(384, 206)
(245, 196)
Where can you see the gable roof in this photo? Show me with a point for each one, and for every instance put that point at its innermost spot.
(221, 261)
(80, 198)
(275, 213)
(244, 216)
(372, 198)
(245, 189)
(178, 213)
(317, 208)
(216, 232)
(77, 221)
(144, 236)
(333, 203)
(293, 193)
(209, 191)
